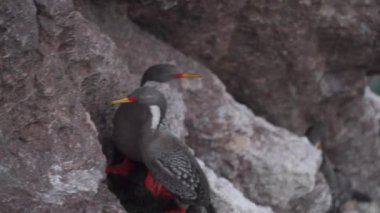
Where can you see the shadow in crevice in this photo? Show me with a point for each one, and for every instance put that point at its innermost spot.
(130, 189)
(131, 192)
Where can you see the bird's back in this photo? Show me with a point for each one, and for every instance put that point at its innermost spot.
(174, 166)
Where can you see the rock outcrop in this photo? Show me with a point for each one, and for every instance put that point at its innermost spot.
(226, 198)
(296, 63)
(62, 62)
(269, 164)
(51, 159)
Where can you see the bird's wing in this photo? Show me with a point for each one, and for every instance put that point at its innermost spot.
(177, 171)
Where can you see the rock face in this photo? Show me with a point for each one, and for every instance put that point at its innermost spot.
(318, 200)
(269, 164)
(51, 159)
(226, 198)
(296, 63)
(62, 62)
(297, 54)
(358, 207)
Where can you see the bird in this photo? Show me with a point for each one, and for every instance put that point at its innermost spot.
(164, 77)
(341, 188)
(165, 72)
(127, 120)
(172, 166)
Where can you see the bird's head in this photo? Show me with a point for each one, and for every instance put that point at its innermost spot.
(152, 99)
(164, 73)
(318, 135)
(144, 95)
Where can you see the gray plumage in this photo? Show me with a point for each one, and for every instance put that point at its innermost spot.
(161, 77)
(127, 120)
(160, 73)
(175, 111)
(167, 157)
(173, 165)
(127, 130)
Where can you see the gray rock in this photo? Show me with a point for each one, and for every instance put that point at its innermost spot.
(269, 164)
(317, 201)
(51, 159)
(353, 206)
(279, 58)
(295, 63)
(63, 62)
(226, 198)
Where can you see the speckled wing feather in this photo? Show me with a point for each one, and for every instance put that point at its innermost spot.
(177, 170)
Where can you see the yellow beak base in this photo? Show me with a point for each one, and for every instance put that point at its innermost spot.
(124, 100)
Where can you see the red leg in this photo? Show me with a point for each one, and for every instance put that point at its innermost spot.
(176, 211)
(156, 188)
(120, 169)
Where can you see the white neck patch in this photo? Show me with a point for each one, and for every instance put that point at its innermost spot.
(156, 116)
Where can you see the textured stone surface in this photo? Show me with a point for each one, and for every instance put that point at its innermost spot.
(317, 201)
(62, 62)
(359, 207)
(51, 159)
(294, 62)
(295, 53)
(58, 75)
(226, 198)
(269, 164)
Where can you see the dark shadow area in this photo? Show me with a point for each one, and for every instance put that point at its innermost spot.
(131, 192)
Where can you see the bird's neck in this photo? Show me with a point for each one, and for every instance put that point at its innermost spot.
(155, 116)
(152, 123)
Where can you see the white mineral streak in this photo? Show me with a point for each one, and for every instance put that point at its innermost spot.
(70, 183)
(226, 198)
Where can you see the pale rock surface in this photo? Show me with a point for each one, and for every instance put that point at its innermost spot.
(226, 198)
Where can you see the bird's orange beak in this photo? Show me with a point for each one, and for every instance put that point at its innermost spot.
(125, 100)
(187, 75)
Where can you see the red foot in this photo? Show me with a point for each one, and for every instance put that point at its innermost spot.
(120, 169)
(176, 211)
(156, 188)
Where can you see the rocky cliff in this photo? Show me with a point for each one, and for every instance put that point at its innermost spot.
(288, 65)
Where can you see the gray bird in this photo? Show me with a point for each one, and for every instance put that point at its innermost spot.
(164, 73)
(127, 119)
(164, 77)
(169, 159)
(341, 188)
